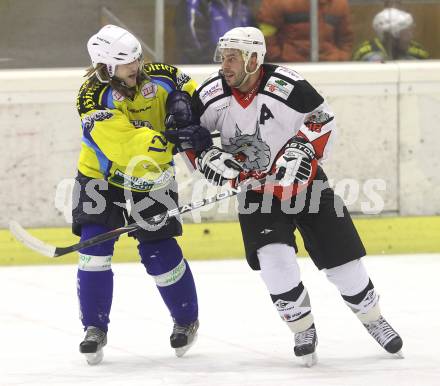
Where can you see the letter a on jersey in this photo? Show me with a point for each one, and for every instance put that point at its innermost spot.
(265, 114)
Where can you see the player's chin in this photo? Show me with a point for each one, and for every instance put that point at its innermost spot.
(231, 80)
(130, 81)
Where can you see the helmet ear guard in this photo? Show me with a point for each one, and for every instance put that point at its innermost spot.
(112, 46)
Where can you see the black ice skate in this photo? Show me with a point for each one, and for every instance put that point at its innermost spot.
(385, 335)
(305, 346)
(183, 337)
(92, 345)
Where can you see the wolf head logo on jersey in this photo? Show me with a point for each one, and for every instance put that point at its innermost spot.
(250, 149)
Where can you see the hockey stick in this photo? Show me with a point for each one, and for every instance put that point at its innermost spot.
(52, 251)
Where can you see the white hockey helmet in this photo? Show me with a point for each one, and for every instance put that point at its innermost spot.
(113, 45)
(248, 40)
(392, 21)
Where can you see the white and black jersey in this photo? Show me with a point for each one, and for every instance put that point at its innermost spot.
(257, 128)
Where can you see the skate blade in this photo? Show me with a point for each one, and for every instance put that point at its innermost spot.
(310, 360)
(180, 351)
(94, 358)
(399, 354)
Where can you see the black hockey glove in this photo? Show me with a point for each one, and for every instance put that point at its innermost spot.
(218, 166)
(178, 110)
(194, 137)
(295, 165)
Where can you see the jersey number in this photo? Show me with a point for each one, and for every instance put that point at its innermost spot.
(265, 114)
(163, 142)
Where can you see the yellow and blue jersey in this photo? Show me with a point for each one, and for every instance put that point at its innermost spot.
(123, 139)
(374, 50)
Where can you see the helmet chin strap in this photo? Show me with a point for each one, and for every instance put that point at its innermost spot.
(245, 79)
(248, 73)
(100, 78)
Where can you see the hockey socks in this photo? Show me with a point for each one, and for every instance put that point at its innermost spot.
(356, 289)
(95, 279)
(365, 304)
(280, 272)
(294, 308)
(164, 261)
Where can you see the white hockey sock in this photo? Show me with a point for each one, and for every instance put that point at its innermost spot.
(279, 268)
(280, 272)
(294, 308)
(356, 289)
(365, 304)
(350, 278)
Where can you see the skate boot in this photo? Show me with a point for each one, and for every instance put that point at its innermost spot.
(385, 335)
(183, 337)
(305, 346)
(92, 345)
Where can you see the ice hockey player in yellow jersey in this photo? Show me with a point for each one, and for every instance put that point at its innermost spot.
(121, 122)
(125, 157)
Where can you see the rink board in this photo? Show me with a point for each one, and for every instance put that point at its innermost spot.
(381, 235)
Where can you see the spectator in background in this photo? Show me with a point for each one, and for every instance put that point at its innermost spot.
(200, 23)
(394, 41)
(286, 27)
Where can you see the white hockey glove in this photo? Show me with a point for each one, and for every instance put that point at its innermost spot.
(295, 165)
(218, 166)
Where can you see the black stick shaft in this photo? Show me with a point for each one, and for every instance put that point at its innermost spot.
(60, 251)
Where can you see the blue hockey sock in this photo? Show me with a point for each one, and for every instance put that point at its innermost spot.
(95, 279)
(164, 261)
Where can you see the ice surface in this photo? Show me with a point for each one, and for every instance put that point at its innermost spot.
(242, 341)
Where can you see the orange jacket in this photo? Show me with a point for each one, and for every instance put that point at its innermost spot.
(286, 26)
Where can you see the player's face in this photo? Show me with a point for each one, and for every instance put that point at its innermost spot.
(233, 67)
(128, 72)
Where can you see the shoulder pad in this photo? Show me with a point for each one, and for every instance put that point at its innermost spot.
(213, 88)
(288, 73)
(90, 96)
(278, 82)
(288, 87)
(161, 69)
(172, 76)
(210, 77)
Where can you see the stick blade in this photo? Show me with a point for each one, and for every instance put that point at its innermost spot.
(30, 241)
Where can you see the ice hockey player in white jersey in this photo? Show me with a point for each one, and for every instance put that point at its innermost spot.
(273, 123)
